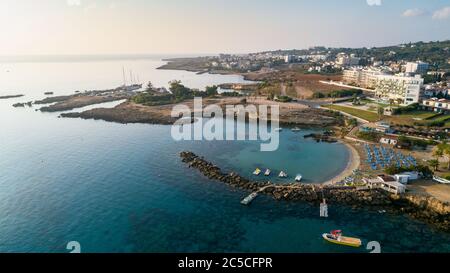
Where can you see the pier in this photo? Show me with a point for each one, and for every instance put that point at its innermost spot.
(247, 200)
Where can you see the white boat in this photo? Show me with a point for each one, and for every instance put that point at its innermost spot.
(267, 172)
(283, 174)
(257, 171)
(295, 129)
(278, 129)
(298, 178)
(247, 200)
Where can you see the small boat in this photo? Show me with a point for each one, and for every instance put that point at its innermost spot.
(247, 200)
(267, 172)
(278, 129)
(295, 129)
(283, 174)
(298, 178)
(336, 237)
(257, 171)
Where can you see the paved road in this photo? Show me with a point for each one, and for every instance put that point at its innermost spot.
(312, 104)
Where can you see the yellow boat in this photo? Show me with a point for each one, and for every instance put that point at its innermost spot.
(336, 237)
(257, 171)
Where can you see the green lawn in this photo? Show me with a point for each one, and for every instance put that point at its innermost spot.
(440, 118)
(366, 115)
(420, 114)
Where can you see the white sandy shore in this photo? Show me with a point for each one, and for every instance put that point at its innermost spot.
(353, 164)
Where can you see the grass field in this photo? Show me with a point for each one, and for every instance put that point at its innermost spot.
(420, 115)
(366, 115)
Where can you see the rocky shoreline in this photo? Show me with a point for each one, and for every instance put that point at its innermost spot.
(124, 113)
(10, 96)
(80, 101)
(129, 112)
(422, 208)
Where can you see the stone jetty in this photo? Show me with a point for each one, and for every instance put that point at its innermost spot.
(420, 207)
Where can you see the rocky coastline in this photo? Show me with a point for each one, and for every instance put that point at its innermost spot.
(422, 208)
(10, 96)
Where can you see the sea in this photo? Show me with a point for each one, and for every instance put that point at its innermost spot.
(119, 188)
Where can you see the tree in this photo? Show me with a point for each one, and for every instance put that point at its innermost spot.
(433, 164)
(438, 152)
(149, 86)
(380, 112)
(211, 90)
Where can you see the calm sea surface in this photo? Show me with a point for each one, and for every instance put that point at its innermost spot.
(123, 188)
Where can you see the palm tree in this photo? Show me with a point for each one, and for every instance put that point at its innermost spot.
(438, 152)
(447, 154)
(380, 111)
(434, 164)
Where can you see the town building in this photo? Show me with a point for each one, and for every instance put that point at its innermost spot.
(436, 105)
(288, 59)
(402, 89)
(344, 60)
(365, 78)
(416, 67)
(387, 183)
(435, 90)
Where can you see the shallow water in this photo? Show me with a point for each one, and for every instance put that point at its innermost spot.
(123, 188)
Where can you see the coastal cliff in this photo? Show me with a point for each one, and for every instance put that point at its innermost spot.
(422, 208)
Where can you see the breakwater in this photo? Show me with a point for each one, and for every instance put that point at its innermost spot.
(423, 208)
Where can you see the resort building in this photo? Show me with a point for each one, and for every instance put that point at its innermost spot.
(288, 59)
(387, 183)
(401, 89)
(405, 177)
(436, 105)
(345, 60)
(435, 90)
(365, 78)
(416, 68)
(383, 127)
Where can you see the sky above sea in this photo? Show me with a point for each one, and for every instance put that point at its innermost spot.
(31, 27)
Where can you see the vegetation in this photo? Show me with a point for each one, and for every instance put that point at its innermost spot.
(366, 115)
(179, 93)
(433, 163)
(422, 169)
(405, 109)
(442, 149)
(434, 53)
(338, 94)
(231, 94)
(283, 99)
(404, 141)
(370, 136)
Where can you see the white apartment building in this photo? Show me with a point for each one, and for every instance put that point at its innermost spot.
(365, 78)
(416, 67)
(402, 89)
(437, 105)
(345, 60)
(288, 58)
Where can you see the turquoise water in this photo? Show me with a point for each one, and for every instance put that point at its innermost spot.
(123, 188)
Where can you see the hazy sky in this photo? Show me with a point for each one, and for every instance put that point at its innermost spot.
(213, 26)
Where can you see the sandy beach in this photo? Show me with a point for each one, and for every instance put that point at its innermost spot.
(353, 164)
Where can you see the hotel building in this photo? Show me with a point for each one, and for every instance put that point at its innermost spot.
(365, 78)
(402, 89)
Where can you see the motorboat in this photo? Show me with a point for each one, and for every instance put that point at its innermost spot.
(336, 237)
(257, 171)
